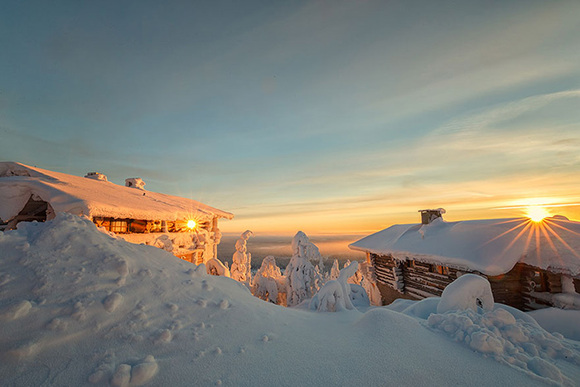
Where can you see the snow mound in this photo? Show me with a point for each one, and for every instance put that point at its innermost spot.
(520, 344)
(469, 291)
(505, 334)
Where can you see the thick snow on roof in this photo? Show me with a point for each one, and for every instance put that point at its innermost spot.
(90, 197)
(491, 246)
(78, 307)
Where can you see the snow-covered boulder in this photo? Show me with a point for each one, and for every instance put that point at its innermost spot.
(469, 291)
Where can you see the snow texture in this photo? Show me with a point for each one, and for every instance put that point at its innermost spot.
(175, 325)
(491, 246)
(564, 322)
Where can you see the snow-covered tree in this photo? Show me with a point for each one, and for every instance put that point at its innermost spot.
(369, 283)
(356, 278)
(241, 261)
(334, 270)
(302, 279)
(268, 283)
(335, 295)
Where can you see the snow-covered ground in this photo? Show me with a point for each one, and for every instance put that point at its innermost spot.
(78, 307)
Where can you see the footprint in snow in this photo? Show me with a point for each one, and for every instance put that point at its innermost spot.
(128, 376)
(112, 302)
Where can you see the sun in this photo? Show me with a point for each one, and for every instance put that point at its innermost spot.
(537, 213)
(191, 224)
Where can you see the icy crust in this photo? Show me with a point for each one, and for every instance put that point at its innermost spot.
(491, 246)
(521, 344)
(503, 333)
(83, 196)
(78, 307)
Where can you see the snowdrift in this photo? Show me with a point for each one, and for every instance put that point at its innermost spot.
(78, 307)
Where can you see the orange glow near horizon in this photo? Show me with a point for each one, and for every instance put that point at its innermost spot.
(366, 217)
(537, 213)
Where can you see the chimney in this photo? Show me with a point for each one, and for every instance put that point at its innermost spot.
(96, 176)
(135, 182)
(427, 216)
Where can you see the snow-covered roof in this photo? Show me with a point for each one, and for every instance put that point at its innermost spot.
(491, 246)
(90, 197)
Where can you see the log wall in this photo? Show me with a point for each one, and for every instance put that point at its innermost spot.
(421, 279)
(524, 287)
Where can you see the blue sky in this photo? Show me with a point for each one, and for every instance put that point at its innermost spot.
(327, 116)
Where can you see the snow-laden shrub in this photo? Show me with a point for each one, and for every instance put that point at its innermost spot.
(215, 267)
(164, 242)
(302, 279)
(268, 283)
(469, 291)
(335, 295)
(241, 261)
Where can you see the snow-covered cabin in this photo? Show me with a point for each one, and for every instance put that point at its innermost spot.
(530, 265)
(185, 227)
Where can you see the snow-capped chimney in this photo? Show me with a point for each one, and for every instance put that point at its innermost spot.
(135, 182)
(96, 176)
(427, 216)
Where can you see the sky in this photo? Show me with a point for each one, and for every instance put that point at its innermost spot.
(321, 116)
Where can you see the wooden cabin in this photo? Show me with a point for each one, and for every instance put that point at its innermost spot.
(530, 265)
(184, 227)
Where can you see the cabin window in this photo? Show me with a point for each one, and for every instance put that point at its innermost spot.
(410, 264)
(439, 269)
(444, 270)
(539, 282)
(139, 226)
(119, 226)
